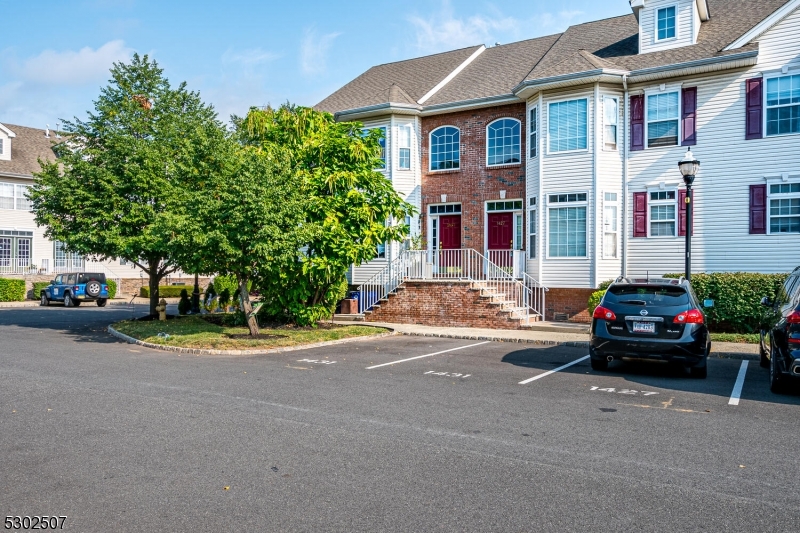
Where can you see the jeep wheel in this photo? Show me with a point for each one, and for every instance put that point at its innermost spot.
(68, 301)
(101, 302)
(93, 288)
(44, 302)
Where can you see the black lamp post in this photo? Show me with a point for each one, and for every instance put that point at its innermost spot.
(689, 167)
(196, 296)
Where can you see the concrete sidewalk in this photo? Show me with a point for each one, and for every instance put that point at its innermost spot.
(723, 350)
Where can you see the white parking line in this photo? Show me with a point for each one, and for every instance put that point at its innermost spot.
(427, 355)
(545, 374)
(737, 387)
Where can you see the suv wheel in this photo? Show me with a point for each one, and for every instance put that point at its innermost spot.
(93, 288)
(44, 302)
(101, 302)
(68, 301)
(599, 364)
(699, 372)
(775, 377)
(763, 349)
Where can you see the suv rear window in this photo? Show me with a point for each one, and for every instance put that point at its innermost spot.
(85, 278)
(647, 295)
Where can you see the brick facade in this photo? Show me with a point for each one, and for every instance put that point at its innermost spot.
(444, 304)
(572, 302)
(474, 183)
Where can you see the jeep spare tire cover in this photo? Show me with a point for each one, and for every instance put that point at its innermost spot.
(93, 288)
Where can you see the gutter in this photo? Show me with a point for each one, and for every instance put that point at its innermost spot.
(13, 175)
(377, 109)
(742, 59)
(487, 101)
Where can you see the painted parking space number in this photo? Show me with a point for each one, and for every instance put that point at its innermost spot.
(316, 361)
(448, 374)
(624, 391)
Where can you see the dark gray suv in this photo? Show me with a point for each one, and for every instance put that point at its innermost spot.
(780, 336)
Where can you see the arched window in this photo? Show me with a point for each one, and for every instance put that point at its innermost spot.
(445, 148)
(502, 142)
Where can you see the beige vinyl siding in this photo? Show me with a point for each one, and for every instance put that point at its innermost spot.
(532, 190)
(685, 16)
(730, 164)
(569, 172)
(609, 180)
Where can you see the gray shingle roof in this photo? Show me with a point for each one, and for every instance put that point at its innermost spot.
(415, 77)
(27, 148)
(611, 44)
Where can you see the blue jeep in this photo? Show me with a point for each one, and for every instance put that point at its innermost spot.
(77, 287)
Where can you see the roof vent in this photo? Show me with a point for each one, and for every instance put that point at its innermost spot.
(47, 131)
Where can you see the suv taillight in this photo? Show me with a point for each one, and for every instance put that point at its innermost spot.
(794, 318)
(76, 288)
(693, 316)
(105, 287)
(603, 313)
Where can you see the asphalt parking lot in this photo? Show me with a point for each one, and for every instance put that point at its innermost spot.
(390, 434)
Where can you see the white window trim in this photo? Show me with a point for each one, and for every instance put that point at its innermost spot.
(651, 202)
(533, 215)
(653, 92)
(557, 205)
(533, 129)
(776, 196)
(616, 140)
(431, 216)
(409, 147)
(2, 146)
(588, 125)
(765, 77)
(516, 213)
(486, 144)
(610, 203)
(430, 150)
(656, 40)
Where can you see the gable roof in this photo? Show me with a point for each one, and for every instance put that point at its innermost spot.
(606, 49)
(27, 147)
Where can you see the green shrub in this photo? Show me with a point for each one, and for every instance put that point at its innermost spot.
(737, 298)
(165, 291)
(38, 287)
(594, 300)
(12, 290)
(112, 288)
(184, 305)
(211, 291)
(225, 298)
(603, 286)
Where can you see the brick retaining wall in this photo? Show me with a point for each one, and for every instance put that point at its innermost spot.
(573, 302)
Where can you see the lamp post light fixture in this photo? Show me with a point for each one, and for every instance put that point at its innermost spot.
(689, 167)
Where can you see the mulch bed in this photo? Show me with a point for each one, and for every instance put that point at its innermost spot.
(218, 318)
(260, 336)
(150, 318)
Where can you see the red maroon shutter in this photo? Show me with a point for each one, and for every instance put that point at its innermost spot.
(637, 123)
(758, 209)
(754, 88)
(682, 213)
(689, 122)
(640, 214)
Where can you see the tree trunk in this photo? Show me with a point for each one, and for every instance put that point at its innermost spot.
(247, 307)
(153, 284)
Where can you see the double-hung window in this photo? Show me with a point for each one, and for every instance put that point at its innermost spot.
(12, 196)
(783, 105)
(784, 208)
(503, 142)
(445, 148)
(532, 222)
(64, 260)
(666, 23)
(610, 225)
(533, 140)
(404, 144)
(663, 213)
(1, 146)
(663, 113)
(611, 119)
(567, 225)
(568, 126)
(382, 143)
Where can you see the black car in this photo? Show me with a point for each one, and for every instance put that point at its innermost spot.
(652, 319)
(780, 337)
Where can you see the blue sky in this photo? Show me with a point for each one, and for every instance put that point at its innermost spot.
(55, 55)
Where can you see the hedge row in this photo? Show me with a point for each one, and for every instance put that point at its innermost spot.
(167, 291)
(39, 286)
(12, 290)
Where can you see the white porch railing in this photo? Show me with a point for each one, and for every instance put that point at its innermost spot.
(26, 267)
(512, 261)
(523, 296)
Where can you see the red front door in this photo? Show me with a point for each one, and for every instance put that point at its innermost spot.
(450, 232)
(501, 239)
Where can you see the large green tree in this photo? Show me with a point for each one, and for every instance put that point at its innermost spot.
(348, 207)
(113, 190)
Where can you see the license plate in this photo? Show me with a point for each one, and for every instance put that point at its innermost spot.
(644, 327)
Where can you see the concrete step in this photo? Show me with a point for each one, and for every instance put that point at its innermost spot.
(557, 327)
(350, 317)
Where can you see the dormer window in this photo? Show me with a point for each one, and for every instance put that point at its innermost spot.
(666, 23)
(1, 146)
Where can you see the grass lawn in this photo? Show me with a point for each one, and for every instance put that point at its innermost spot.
(747, 338)
(194, 332)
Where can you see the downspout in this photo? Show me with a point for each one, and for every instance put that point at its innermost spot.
(624, 202)
(539, 198)
(596, 193)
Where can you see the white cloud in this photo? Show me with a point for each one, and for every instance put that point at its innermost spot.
(314, 51)
(71, 67)
(248, 58)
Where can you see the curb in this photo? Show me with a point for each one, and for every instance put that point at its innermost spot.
(35, 303)
(201, 351)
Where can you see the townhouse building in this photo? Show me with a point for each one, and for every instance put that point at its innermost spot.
(555, 159)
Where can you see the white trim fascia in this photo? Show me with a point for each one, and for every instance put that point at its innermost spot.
(452, 75)
(377, 110)
(18, 176)
(526, 89)
(755, 32)
(699, 66)
(702, 10)
(10, 133)
(465, 105)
